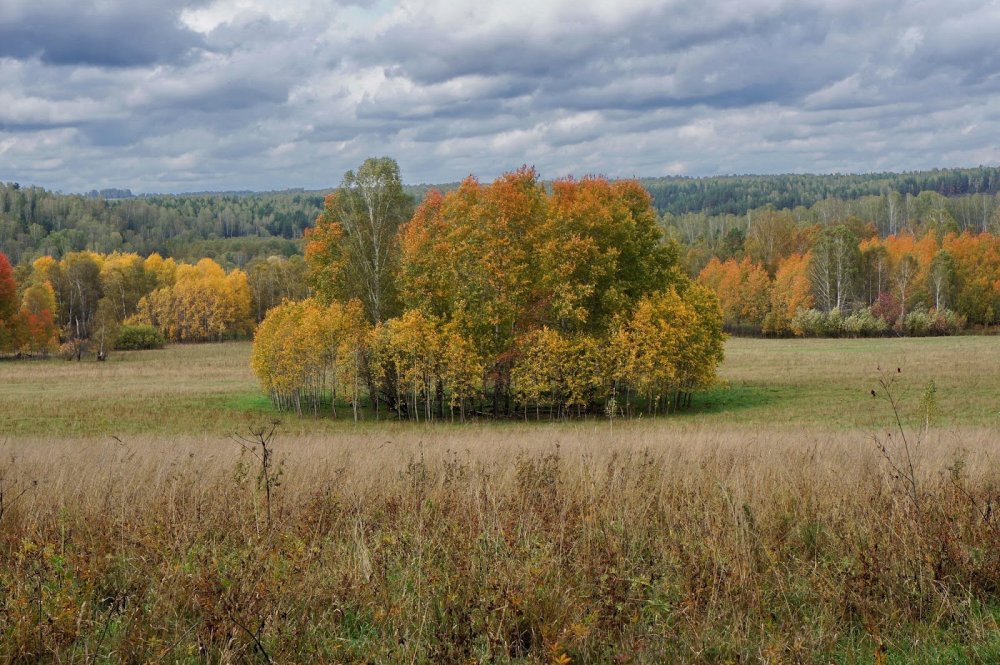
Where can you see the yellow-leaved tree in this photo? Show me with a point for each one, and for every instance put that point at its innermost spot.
(304, 351)
(203, 303)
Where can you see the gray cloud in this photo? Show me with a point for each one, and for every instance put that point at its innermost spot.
(120, 33)
(236, 94)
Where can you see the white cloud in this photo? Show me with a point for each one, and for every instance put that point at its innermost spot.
(260, 94)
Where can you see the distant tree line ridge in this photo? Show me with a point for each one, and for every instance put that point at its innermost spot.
(234, 227)
(739, 193)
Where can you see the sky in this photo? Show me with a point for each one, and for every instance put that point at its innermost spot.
(195, 95)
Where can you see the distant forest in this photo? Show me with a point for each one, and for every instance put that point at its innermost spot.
(235, 227)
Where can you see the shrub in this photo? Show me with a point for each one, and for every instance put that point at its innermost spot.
(918, 323)
(864, 323)
(809, 323)
(887, 308)
(947, 322)
(139, 336)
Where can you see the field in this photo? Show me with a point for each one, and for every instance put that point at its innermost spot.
(783, 519)
(207, 390)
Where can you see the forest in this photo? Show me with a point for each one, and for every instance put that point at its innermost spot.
(893, 263)
(234, 227)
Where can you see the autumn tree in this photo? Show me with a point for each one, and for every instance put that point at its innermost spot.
(743, 289)
(274, 280)
(791, 292)
(773, 235)
(941, 277)
(602, 250)
(977, 275)
(38, 306)
(304, 350)
(669, 347)
(204, 303)
(27, 325)
(8, 305)
(511, 297)
(484, 267)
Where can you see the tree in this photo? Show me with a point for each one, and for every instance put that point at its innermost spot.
(37, 313)
(601, 251)
(743, 289)
(8, 290)
(304, 350)
(204, 303)
(78, 289)
(790, 293)
(8, 305)
(941, 279)
(355, 246)
(834, 267)
(874, 269)
(904, 278)
(772, 236)
(275, 279)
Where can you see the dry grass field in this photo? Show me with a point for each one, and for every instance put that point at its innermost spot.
(767, 525)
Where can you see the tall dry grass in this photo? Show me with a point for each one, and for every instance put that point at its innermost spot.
(539, 544)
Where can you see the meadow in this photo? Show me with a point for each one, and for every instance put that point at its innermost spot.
(787, 517)
(208, 389)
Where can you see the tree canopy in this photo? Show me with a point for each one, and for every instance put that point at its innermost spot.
(504, 299)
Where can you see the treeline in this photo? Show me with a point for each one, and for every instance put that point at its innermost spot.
(736, 194)
(88, 302)
(498, 300)
(232, 229)
(846, 280)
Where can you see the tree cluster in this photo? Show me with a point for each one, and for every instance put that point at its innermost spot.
(27, 319)
(84, 298)
(500, 300)
(844, 284)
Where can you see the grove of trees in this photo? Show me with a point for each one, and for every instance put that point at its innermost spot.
(504, 300)
(89, 301)
(496, 269)
(27, 319)
(844, 284)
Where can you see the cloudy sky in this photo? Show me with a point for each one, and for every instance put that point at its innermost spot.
(183, 95)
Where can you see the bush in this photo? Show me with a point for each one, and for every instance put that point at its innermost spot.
(809, 323)
(918, 323)
(864, 323)
(139, 336)
(946, 322)
(887, 308)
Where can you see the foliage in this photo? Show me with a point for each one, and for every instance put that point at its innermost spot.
(743, 288)
(26, 325)
(510, 296)
(139, 336)
(204, 303)
(538, 284)
(303, 351)
(231, 228)
(353, 250)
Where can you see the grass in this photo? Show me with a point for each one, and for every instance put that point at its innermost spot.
(762, 526)
(209, 390)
